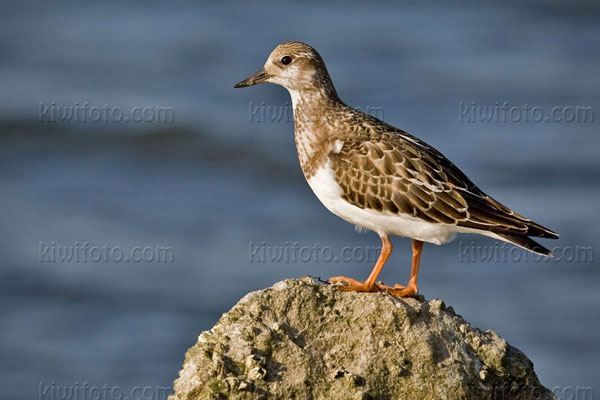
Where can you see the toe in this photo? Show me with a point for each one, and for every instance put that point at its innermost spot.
(407, 291)
(355, 286)
(349, 281)
(382, 286)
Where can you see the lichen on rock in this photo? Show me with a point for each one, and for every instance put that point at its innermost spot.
(302, 340)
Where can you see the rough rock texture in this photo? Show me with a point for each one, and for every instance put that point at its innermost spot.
(302, 340)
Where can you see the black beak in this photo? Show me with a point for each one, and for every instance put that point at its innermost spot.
(259, 77)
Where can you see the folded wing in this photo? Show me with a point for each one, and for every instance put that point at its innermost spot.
(395, 172)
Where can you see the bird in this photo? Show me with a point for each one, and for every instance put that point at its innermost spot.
(381, 178)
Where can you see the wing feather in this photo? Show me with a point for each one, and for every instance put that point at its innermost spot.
(394, 172)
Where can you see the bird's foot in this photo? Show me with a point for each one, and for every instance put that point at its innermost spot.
(403, 291)
(355, 286)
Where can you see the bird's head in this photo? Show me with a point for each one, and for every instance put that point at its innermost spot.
(295, 66)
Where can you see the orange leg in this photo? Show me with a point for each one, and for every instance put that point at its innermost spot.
(369, 285)
(410, 289)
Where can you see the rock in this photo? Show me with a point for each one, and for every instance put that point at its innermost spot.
(302, 340)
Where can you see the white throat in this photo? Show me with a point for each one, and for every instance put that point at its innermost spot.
(295, 95)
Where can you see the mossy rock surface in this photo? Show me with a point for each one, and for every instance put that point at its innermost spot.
(302, 340)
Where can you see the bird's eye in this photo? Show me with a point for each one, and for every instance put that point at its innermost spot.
(285, 60)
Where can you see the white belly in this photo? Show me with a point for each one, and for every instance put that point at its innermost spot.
(329, 193)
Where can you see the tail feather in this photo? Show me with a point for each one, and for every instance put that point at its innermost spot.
(499, 210)
(526, 243)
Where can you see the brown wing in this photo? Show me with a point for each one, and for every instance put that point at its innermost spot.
(398, 173)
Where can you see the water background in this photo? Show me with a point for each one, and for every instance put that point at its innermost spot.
(216, 182)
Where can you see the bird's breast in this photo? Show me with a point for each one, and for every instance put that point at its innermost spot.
(313, 148)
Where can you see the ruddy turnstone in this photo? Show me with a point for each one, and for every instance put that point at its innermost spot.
(379, 177)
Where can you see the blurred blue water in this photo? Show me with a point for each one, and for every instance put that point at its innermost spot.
(214, 182)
